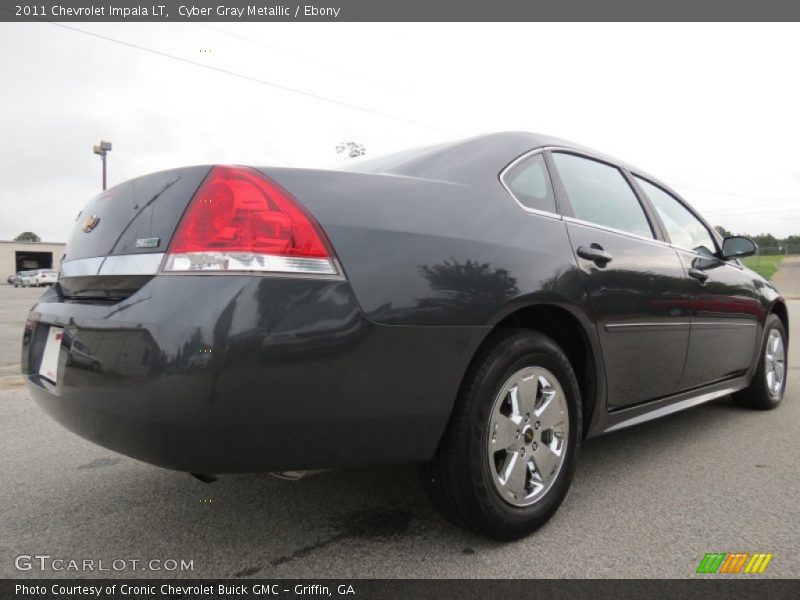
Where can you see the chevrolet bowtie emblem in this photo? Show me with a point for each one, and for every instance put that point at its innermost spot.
(90, 223)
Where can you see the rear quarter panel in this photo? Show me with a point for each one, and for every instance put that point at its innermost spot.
(427, 252)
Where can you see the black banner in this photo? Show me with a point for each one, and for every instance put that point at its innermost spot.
(405, 10)
(397, 589)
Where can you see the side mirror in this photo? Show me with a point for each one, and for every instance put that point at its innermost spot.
(738, 246)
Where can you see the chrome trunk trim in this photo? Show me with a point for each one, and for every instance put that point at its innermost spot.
(124, 264)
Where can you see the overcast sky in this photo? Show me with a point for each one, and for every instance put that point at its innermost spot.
(712, 109)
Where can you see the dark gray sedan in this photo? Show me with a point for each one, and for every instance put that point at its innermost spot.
(477, 307)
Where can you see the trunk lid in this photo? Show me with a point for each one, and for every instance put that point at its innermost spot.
(118, 237)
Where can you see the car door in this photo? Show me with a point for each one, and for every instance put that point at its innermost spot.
(725, 307)
(636, 283)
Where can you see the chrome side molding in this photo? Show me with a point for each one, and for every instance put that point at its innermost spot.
(675, 407)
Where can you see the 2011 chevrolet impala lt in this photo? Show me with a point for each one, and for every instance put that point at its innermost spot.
(478, 307)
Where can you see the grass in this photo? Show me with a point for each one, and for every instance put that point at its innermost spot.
(763, 265)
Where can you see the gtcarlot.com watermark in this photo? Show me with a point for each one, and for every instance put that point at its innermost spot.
(48, 563)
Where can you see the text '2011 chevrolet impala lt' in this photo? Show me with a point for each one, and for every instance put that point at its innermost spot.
(477, 307)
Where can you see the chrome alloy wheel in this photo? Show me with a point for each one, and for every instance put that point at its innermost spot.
(528, 434)
(775, 363)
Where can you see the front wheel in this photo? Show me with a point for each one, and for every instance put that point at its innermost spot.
(769, 382)
(507, 458)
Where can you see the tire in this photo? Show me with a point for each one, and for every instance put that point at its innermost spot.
(765, 392)
(464, 479)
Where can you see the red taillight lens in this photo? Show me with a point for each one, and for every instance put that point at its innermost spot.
(241, 221)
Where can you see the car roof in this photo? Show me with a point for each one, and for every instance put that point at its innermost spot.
(475, 160)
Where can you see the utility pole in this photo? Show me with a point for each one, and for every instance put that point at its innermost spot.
(102, 150)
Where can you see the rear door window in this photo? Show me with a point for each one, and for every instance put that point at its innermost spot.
(530, 184)
(600, 194)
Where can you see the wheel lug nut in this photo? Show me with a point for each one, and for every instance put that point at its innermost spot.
(537, 425)
(535, 445)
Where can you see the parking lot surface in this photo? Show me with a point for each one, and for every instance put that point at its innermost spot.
(648, 501)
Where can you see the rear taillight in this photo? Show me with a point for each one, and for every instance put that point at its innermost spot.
(241, 221)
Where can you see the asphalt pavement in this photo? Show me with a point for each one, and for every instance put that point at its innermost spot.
(648, 501)
(787, 278)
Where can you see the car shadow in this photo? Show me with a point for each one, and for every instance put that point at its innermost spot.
(276, 527)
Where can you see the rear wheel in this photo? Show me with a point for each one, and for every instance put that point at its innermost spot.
(506, 460)
(769, 382)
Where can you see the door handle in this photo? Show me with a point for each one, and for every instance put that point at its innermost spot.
(596, 254)
(701, 276)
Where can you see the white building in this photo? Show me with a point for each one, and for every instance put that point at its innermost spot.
(24, 256)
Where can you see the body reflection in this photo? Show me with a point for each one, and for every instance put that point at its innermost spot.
(133, 353)
(458, 291)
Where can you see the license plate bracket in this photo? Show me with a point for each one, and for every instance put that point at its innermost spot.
(52, 350)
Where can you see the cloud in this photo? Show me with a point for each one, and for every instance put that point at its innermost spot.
(710, 107)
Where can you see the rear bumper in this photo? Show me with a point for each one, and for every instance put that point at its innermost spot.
(223, 374)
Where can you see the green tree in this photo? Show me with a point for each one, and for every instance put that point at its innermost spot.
(27, 236)
(792, 244)
(767, 243)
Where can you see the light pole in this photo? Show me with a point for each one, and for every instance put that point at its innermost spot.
(103, 149)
